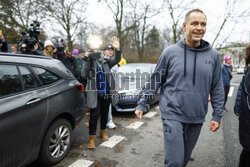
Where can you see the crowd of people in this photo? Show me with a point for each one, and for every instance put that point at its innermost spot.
(85, 65)
(192, 72)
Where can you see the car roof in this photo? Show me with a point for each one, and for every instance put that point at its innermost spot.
(37, 60)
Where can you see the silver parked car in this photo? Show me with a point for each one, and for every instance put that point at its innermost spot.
(130, 80)
(240, 70)
(40, 104)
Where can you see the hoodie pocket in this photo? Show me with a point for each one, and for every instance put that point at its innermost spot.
(189, 105)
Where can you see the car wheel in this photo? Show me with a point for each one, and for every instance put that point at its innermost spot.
(56, 142)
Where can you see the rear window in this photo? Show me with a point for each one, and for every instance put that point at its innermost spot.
(46, 76)
(64, 69)
(9, 80)
(28, 79)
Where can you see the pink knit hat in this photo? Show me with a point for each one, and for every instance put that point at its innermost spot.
(226, 58)
(75, 52)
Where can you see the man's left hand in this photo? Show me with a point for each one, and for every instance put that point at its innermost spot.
(214, 126)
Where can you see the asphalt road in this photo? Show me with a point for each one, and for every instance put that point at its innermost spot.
(143, 146)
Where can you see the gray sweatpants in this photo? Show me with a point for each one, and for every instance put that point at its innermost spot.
(179, 141)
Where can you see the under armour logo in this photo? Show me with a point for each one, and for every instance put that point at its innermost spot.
(208, 62)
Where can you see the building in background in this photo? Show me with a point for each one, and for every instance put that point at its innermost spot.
(234, 50)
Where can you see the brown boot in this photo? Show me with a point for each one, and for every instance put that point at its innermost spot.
(91, 144)
(104, 135)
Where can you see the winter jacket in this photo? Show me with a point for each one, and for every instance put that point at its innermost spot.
(4, 47)
(186, 77)
(244, 111)
(67, 59)
(78, 67)
(226, 72)
(237, 100)
(89, 73)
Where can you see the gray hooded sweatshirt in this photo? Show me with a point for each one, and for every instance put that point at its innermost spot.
(186, 77)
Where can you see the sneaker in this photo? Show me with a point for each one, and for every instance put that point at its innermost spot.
(111, 125)
(191, 157)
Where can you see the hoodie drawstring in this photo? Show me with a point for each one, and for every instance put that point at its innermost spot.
(185, 64)
(195, 56)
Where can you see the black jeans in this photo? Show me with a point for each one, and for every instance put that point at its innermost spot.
(244, 158)
(226, 90)
(102, 110)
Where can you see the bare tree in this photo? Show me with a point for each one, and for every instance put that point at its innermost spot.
(23, 12)
(231, 14)
(69, 14)
(121, 12)
(175, 10)
(146, 11)
(16, 16)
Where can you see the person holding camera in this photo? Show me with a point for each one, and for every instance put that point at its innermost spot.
(79, 61)
(100, 85)
(3, 43)
(62, 53)
(227, 76)
(30, 47)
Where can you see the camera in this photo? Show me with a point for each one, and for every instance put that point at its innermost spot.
(95, 55)
(60, 47)
(26, 45)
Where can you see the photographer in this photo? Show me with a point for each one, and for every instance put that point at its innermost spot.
(30, 47)
(3, 43)
(30, 43)
(62, 54)
(100, 85)
(78, 65)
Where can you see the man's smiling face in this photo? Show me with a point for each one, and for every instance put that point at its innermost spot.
(195, 28)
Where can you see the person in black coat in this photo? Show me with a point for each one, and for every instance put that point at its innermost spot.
(242, 108)
(3, 43)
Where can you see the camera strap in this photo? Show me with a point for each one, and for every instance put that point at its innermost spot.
(99, 65)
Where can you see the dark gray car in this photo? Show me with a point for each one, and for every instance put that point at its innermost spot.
(40, 103)
(130, 80)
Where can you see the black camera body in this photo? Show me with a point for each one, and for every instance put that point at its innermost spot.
(94, 55)
(60, 47)
(30, 38)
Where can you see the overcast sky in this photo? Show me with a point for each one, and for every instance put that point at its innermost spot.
(99, 14)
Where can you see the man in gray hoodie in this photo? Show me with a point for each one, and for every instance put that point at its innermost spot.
(186, 73)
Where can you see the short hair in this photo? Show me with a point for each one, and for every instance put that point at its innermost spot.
(192, 11)
(247, 56)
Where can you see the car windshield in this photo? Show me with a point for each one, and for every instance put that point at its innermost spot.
(129, 78)
(133, 73)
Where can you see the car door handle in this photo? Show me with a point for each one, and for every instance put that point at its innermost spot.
(32, 101)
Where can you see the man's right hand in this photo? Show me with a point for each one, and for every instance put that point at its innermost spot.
(138, 113)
